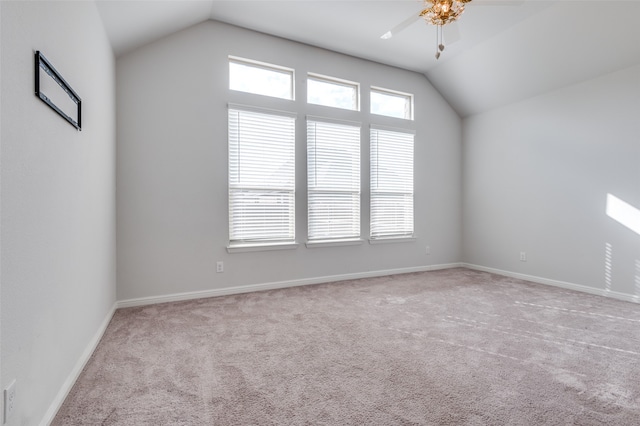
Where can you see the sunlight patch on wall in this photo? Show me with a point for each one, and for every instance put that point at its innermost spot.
(624, 213)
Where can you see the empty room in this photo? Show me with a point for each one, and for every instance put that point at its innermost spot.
(319, 212)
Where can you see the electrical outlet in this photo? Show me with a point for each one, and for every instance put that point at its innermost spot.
(220, 266)
(428, 250)
(523, 256)
(9, 400)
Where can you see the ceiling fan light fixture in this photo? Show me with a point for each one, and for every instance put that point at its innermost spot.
(437, 13)
(440, 13)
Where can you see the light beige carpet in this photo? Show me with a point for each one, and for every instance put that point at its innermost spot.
(452, 347)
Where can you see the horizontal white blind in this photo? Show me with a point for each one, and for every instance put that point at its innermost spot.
(261, 177)
(333, 178)
(391, 184)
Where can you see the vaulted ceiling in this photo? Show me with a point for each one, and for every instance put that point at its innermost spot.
(500, 51)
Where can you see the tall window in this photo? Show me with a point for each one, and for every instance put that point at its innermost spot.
(391, 184)
(261, 177)
(333, 178)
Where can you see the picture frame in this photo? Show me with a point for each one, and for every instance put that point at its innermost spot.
(52, 89)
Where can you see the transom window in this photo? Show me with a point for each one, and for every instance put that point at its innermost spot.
(260, 78)
(391, 103)
(332, 92)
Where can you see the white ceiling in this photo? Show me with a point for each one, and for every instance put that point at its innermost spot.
(508, 49)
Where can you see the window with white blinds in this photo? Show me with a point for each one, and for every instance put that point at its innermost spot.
(391, 184)
(261, 177)
(333, 178)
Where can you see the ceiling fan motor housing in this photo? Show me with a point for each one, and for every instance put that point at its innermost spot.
(442, 12)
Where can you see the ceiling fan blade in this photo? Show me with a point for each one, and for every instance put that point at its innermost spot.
(401, 26)
(454, 32)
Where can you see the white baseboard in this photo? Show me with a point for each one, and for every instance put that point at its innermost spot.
(75, 373)
(555, 283)
(142, 301)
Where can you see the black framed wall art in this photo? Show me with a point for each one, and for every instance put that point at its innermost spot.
(54, 91)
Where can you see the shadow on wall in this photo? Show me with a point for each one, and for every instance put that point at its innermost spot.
(628, 216)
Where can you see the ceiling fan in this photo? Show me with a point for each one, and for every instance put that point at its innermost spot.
(438, 13)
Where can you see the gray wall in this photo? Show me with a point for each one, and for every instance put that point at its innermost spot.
(58, 201)
(172, 220)
(536, 178)
(531, 177)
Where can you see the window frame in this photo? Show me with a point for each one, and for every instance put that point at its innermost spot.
(388, 92)
(337, 82)
(389, 237)
(357, 171)
(268, 67)
(264, 242)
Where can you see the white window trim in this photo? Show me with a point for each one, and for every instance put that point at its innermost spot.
(392, 240)
(397, 237)
(269, 67)
(334, 243)
(240, 246)
(394, 93)
(245, 248)
(345, 240)
(333, 120)
(336, 81)
(261, 110)
(392, 129)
